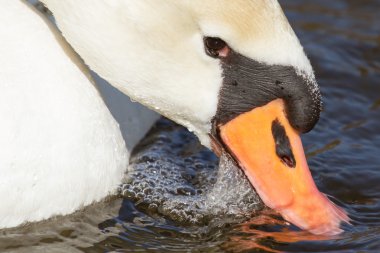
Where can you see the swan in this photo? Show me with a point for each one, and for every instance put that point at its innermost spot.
(232, 72)
(60, 149)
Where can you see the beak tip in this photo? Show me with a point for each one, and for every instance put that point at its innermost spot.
(323, 219)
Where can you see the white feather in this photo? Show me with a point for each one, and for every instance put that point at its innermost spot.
(60, 147)
(153, 50)
(150, 50)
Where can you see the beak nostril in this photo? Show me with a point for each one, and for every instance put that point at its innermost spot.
(288, 161)
(282, 144)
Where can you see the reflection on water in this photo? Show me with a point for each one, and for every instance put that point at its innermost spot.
(342, 38)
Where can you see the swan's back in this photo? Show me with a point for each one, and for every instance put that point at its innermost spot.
(60, 148)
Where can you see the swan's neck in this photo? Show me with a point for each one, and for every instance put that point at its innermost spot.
(134, 119)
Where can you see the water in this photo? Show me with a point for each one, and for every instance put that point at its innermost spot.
(342, 38)
(178, 179)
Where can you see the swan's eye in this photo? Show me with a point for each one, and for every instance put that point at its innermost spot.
(216, 47)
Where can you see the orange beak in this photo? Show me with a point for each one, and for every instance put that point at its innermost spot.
(270, 152)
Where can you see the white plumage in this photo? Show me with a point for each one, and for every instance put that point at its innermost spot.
(60, 147)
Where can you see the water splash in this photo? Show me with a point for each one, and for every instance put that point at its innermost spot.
(171, 175)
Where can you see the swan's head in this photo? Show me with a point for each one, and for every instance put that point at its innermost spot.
(233, 72)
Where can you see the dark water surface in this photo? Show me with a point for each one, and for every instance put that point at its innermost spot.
(175, 200)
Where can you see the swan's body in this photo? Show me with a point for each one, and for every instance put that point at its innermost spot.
(233, 72)
(60, 147)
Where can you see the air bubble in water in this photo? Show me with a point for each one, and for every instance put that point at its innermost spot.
(172, 175)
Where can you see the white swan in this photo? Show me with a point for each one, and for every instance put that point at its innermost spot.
(60, 149)
(233, 72)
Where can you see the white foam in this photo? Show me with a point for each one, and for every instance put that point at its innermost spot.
(173, 176)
